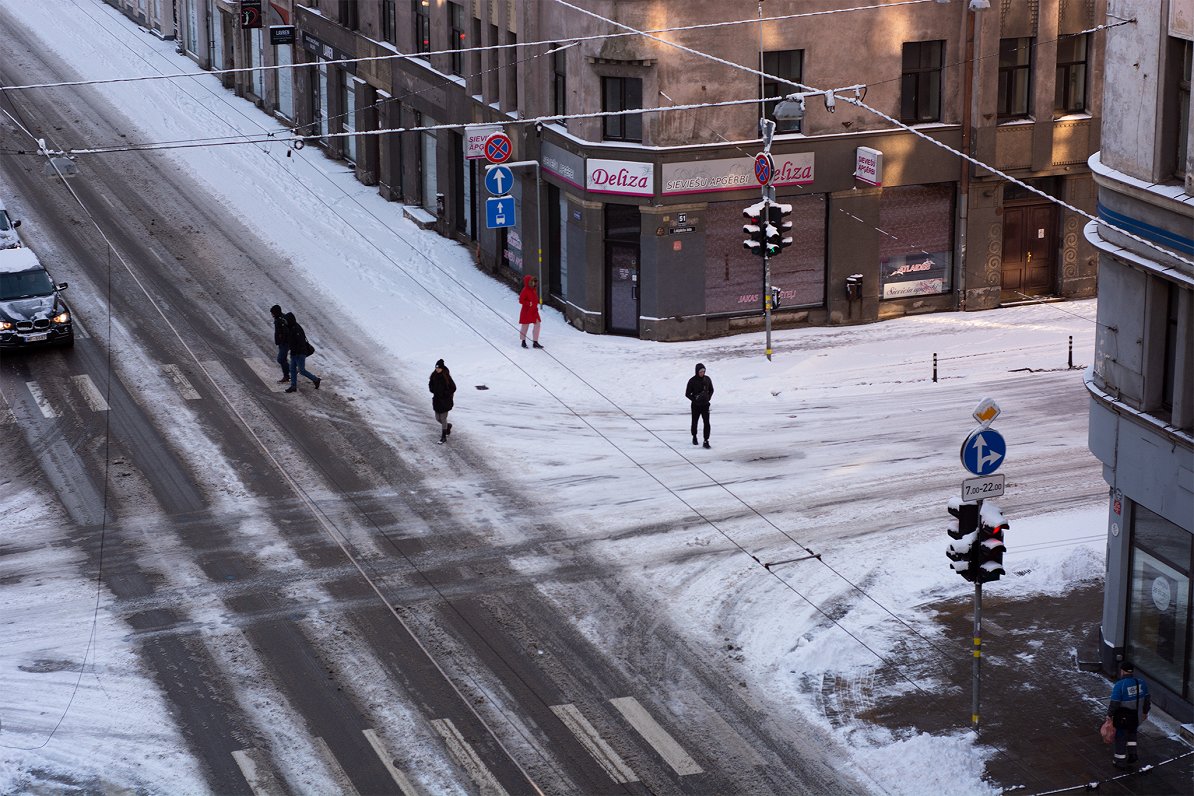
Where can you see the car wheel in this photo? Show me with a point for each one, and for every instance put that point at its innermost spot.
(69, 342)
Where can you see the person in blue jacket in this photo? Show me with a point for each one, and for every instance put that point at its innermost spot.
(1128, 708)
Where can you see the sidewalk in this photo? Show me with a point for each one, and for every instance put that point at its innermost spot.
(1040, 708)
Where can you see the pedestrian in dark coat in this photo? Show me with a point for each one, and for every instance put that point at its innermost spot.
(300, 349)
(700, 392)
(442, 388)
(1128, 708)
(529, 314)
(282, 341)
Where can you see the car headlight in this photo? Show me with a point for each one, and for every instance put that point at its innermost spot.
(6, 325)
(62, 317)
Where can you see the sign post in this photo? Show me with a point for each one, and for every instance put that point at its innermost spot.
(499, 208)
(764, 173)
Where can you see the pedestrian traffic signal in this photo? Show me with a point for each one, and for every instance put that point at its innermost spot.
(962, 552)
(778, 227)
(990, 547)
(756, 216)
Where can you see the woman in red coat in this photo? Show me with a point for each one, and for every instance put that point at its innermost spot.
(529, 299)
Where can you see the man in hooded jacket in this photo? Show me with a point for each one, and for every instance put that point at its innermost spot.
(300, 349)
(700, 392)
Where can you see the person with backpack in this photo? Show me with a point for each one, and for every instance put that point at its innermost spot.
(282, 341)
(1128, 709)
(700, 392)
(442, 388)
(300, 349)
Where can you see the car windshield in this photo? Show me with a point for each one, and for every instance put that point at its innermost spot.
(5, 224)
(23, 284)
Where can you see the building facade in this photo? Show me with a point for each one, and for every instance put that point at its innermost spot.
(1142, 381)
(633, 221)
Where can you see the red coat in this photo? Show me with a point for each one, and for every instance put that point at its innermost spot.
(529, 299)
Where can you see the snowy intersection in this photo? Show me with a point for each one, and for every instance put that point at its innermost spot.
(843, 445)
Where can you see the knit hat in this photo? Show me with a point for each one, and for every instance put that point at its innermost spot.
(699, 368)
(1127, 666)
(275, 310)
(439, 363)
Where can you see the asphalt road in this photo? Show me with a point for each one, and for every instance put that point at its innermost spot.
(380, 591)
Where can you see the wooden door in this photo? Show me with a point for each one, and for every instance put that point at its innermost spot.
(1029, 250)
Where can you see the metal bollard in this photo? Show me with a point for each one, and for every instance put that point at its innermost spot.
(1071, 352)
(934, 367)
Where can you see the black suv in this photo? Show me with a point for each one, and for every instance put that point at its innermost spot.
(32, 311)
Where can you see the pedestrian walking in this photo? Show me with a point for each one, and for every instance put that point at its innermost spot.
(700, 392)
(529, 314)
(282, 341)
(1128, 708)
(442, 387)
(300, 349)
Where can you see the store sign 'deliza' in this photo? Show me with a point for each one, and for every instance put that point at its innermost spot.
(734, 174)
(623, 177)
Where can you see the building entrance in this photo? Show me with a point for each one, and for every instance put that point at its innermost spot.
(1029, 250)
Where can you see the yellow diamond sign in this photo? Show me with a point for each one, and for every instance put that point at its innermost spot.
(986, 412)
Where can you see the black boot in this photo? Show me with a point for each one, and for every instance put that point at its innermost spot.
(694, 440)
(524, 343)
(448, 430)
(536, 344)
(706, 445)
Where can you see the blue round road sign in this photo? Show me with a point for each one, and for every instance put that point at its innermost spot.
(983, 451)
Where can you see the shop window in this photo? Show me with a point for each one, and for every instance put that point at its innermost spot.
(1070, 92)
(421, 13)
(789, 65)
(619, 94)
(389, 21)
(734, 276)
(916, 235)
(456, 43)
(559, 82)
(285, 57)
(1015, 78)
(1159, 607)
(920, 86)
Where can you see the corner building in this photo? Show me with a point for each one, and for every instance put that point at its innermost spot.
(635, 221)
(1141, 383)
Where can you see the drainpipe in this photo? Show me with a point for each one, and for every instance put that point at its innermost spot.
(967, 133)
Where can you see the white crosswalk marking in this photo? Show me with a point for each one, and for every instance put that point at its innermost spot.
(90, 393)
(180, 381)
(467, 757)
(39, 398)
(261, 780)
(657, 736)
(267, 372)
(404, 784)
(343, 783)
(575, 721)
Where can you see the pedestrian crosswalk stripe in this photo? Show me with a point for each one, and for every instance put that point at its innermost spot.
(260, 779)
(90, 393)
(343, 783)
(404, 784)
(601, 751)
(267, 372)
(659, 738)
(181, 382)
(39, 398)
(467, 758)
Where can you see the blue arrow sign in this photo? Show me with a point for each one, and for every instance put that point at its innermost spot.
(499, 212)
(983, 451)
(498, 180)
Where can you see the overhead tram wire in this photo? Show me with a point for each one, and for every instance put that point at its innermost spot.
(895, 122)
(424, 55)
(452, 310)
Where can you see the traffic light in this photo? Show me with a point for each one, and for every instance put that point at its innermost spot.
(756, 216)
(962, 552)
(778, 227)
(990, 547)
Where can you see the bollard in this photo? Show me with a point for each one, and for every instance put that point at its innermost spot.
(1071, 352)
(934, 367)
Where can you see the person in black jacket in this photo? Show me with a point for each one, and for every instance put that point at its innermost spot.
(300, 349)
(442, 387)
(700, 392)
(282, 341)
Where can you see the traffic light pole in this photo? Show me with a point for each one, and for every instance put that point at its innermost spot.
(768, 198)
(978, 644)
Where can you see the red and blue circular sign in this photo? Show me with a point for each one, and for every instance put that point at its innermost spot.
(764, 168)
(498, 148)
